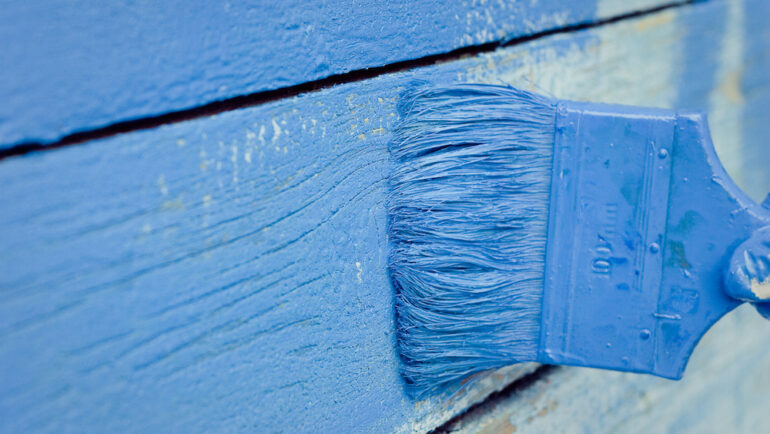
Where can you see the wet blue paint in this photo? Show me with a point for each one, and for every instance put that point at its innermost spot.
(184, 289)
(83, 64)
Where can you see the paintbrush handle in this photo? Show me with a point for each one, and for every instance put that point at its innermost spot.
(747, 275)
(764, 308)
(738, 221)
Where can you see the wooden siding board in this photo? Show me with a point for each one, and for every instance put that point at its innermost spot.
(79, 65)
(228, 273)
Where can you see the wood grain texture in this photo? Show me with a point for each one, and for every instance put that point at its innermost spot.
(79, 65)
(228, 273)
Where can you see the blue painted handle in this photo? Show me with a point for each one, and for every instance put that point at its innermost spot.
(747, 276)
(643, 221)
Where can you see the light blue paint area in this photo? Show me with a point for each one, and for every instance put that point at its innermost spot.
(704, 32)
(756, 94)
(79, 65)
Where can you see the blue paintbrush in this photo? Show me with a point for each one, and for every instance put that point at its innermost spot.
(530, 229)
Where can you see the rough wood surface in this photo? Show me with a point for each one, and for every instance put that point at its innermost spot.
(228, 273)
(77, 65)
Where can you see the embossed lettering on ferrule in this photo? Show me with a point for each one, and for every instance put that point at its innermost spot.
(607, 220)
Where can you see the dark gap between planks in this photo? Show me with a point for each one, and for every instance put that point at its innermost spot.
(263, 97)
(494, 399)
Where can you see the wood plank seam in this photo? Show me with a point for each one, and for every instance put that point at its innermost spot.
(494, 399)
(259, 98)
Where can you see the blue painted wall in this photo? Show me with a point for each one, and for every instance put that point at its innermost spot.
(222, 274)
(225, 274)
(71, 66)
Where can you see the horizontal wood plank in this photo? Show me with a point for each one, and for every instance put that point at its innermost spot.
(78, 65)
(228, 273)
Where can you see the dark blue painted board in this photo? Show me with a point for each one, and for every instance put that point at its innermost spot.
(228, 273)
(78, 65)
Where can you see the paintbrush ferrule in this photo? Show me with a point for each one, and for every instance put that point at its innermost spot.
(642, 222)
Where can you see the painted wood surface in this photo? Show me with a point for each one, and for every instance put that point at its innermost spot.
(77, 65)
(228, 273)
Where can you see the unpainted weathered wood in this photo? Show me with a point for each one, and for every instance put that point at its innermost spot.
(723, 392)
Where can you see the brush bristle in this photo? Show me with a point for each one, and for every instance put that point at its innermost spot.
(468, 217)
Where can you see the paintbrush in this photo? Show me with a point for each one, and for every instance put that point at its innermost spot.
(525, 228)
